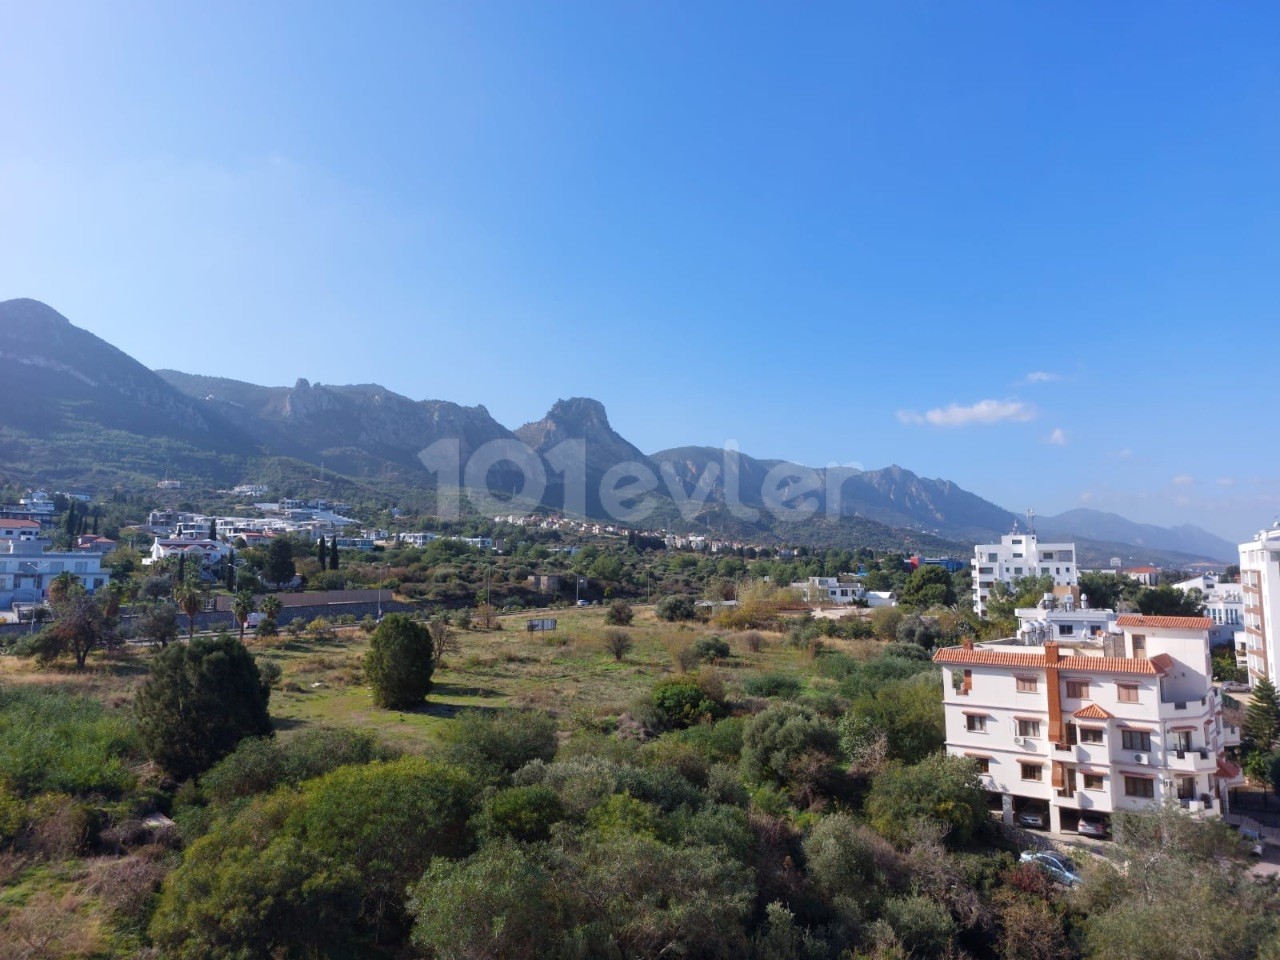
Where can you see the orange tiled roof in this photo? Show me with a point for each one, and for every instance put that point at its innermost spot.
(1093, 712)
(1227, 770)
(1165, 623)
(1004, 658)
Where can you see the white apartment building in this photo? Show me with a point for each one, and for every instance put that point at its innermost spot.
(1019, 555)
(26, 570)
(1223, 604)
(1120, 720)
(1260, 584)
(836, 590)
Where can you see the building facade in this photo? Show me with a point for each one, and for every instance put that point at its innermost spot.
(1260, 584)
(1019, 555)
(27, 569)
(1091, 725)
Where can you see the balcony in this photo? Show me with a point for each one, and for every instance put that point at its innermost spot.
(1189, 710)
(1198, 760)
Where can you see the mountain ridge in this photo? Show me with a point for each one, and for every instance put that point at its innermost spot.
(87, 400)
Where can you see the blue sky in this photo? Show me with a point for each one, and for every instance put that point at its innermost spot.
(1029, 248)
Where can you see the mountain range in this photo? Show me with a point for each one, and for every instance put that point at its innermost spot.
(78, 410)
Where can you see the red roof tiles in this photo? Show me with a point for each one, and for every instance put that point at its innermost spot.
(1093, 712)
(1165, 623)
(1005, 658)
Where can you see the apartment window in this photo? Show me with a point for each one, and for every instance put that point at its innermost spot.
(1127, 692)
(1182, 740)
(1026, 684)
(975, 723)
(1079, 689)
(984, 764)
(1139, 646)
(1017, 571)
(1093, 781)
(1028, 728)
(1135, 740)
(992, 558)
(1032, 771)
(1066, 629)
(1139, 787)
(1186, 788)
(1090, 735)
(1044, 571)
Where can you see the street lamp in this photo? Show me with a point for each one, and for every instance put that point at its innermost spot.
(382, 567)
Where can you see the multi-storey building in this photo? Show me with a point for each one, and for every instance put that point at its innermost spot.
(27, 570)
(1109, 721)
(842, 590)
(1260, 584)
(1019, 555)
(1223, 604)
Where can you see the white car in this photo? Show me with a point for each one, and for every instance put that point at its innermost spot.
(1056, 865)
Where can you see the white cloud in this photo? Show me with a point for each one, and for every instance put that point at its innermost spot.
(1042, 376)
(982, 412)
(1124, 454)
(1058, 438)
(1087, 496)
(1183, 480)
(1226, 482)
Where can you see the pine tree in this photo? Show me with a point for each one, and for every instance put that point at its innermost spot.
(1262, 719)
(333, 552)
(322, 554)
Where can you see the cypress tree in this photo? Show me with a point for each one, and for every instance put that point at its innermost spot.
(1262, 719)
(182, 568)
(213, 528)
(322, 554)
(333, 552)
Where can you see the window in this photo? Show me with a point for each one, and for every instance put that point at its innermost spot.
(992, 558)
(1026, 684)
(1127, 692)
(1135, 740)
(1079, 689)
(984, 764)
(1028, 728)
(1017, 571)
(1031, 771)
(1139, 787)
(1066, 629)
(1090, 735)
(1044, 571)
(1182, 740)
(1093, 781)
(1139, 646)
(975, 723)
(962, 683)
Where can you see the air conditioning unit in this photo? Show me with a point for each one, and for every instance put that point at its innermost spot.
(1141, 758)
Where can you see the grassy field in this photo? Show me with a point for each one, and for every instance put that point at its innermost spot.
(568, 673)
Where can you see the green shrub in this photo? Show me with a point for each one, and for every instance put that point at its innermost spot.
(782, 685)
(498, 903)
(526, 814)
(711, 648)
(56, 741)
(683, 703)
(941, 789)
(261, 764)
(675, 608)
(622, 813)
(791, 747)
(619, 614)
(495, 744)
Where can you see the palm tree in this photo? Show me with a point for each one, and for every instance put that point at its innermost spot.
(242, 604)
(112, 597)
(190, 600)
(270, 606)
(60, 587)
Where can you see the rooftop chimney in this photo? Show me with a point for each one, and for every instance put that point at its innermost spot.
(1051, 651)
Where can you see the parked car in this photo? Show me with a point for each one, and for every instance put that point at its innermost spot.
(1091, 827)
(1032, 818)
(1235, 686)
(1056, 865)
